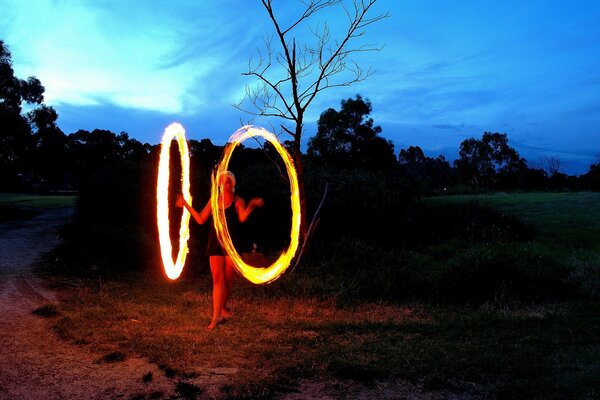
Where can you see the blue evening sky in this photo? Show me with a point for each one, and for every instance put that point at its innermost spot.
(448, 70)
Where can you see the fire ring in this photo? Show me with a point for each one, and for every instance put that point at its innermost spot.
(172, 268)
(274, 271)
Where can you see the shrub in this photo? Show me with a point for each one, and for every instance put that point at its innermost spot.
(113, 231)
(9, 213)
(586, 274)
(503, 274)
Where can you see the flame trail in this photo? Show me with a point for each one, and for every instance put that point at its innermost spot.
(172, 269)
(274, 271)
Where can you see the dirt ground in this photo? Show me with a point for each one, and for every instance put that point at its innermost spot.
(36, 364)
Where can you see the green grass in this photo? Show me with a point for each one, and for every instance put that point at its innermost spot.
(566, 231)
(36, 201)
(562, 218)
(327, 320)
(16, 207)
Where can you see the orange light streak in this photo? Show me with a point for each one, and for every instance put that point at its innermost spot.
(172, 269)
(274, 271)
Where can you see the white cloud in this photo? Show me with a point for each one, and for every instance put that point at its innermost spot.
(86, 56)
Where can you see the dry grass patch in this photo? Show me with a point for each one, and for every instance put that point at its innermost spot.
(272, 344)
(268, 343)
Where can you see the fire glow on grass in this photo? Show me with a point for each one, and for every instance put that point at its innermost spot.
(172, 269)
(274, 271)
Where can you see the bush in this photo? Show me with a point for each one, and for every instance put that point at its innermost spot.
(113, 231)
(375, 240)
(586, 274)
(503, 274)
(9, 213)
(468, 221)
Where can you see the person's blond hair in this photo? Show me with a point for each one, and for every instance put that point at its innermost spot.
(228, 175)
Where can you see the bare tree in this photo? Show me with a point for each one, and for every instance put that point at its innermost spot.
(551, 165)
(289, 75)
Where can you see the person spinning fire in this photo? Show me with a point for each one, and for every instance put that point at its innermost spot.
(221, 266)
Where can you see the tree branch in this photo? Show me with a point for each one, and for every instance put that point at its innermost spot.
(307, 69)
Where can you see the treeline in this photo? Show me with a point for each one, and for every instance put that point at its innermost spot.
(349, 138)
(36, 155)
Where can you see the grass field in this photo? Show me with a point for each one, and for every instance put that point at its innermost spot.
(500, 348)
(562, 219)
(37, 201)
(14, 207)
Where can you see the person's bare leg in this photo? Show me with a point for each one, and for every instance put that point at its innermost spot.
(217, 269)
(229, 276)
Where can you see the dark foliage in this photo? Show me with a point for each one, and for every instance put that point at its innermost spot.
(374, 239)
(426, 175)
(397, 252)
(8, 213)
(591, 180)
(503, 275)
(364, 203)
(383, 208)
(489, 162)
(113, 230)
(349, 137)
(16, 140)
(471, 222)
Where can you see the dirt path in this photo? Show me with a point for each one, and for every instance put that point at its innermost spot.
(34, 363)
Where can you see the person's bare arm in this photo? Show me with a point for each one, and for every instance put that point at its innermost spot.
(244, 210)
(199, 217)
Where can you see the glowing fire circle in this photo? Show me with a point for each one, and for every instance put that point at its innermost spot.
(274, 271)
(172, 269)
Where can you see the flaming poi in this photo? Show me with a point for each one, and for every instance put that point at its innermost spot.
(172, 268)
(254, 274)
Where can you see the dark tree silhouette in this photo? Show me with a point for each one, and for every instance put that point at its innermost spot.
(483, 162)
(290, 78)
(591, 179)
(551, 165)
(350, 137)
(411, 156)
(49, 146)
(204, 152)
(427, 174)
(15, 133)
(89, 152)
